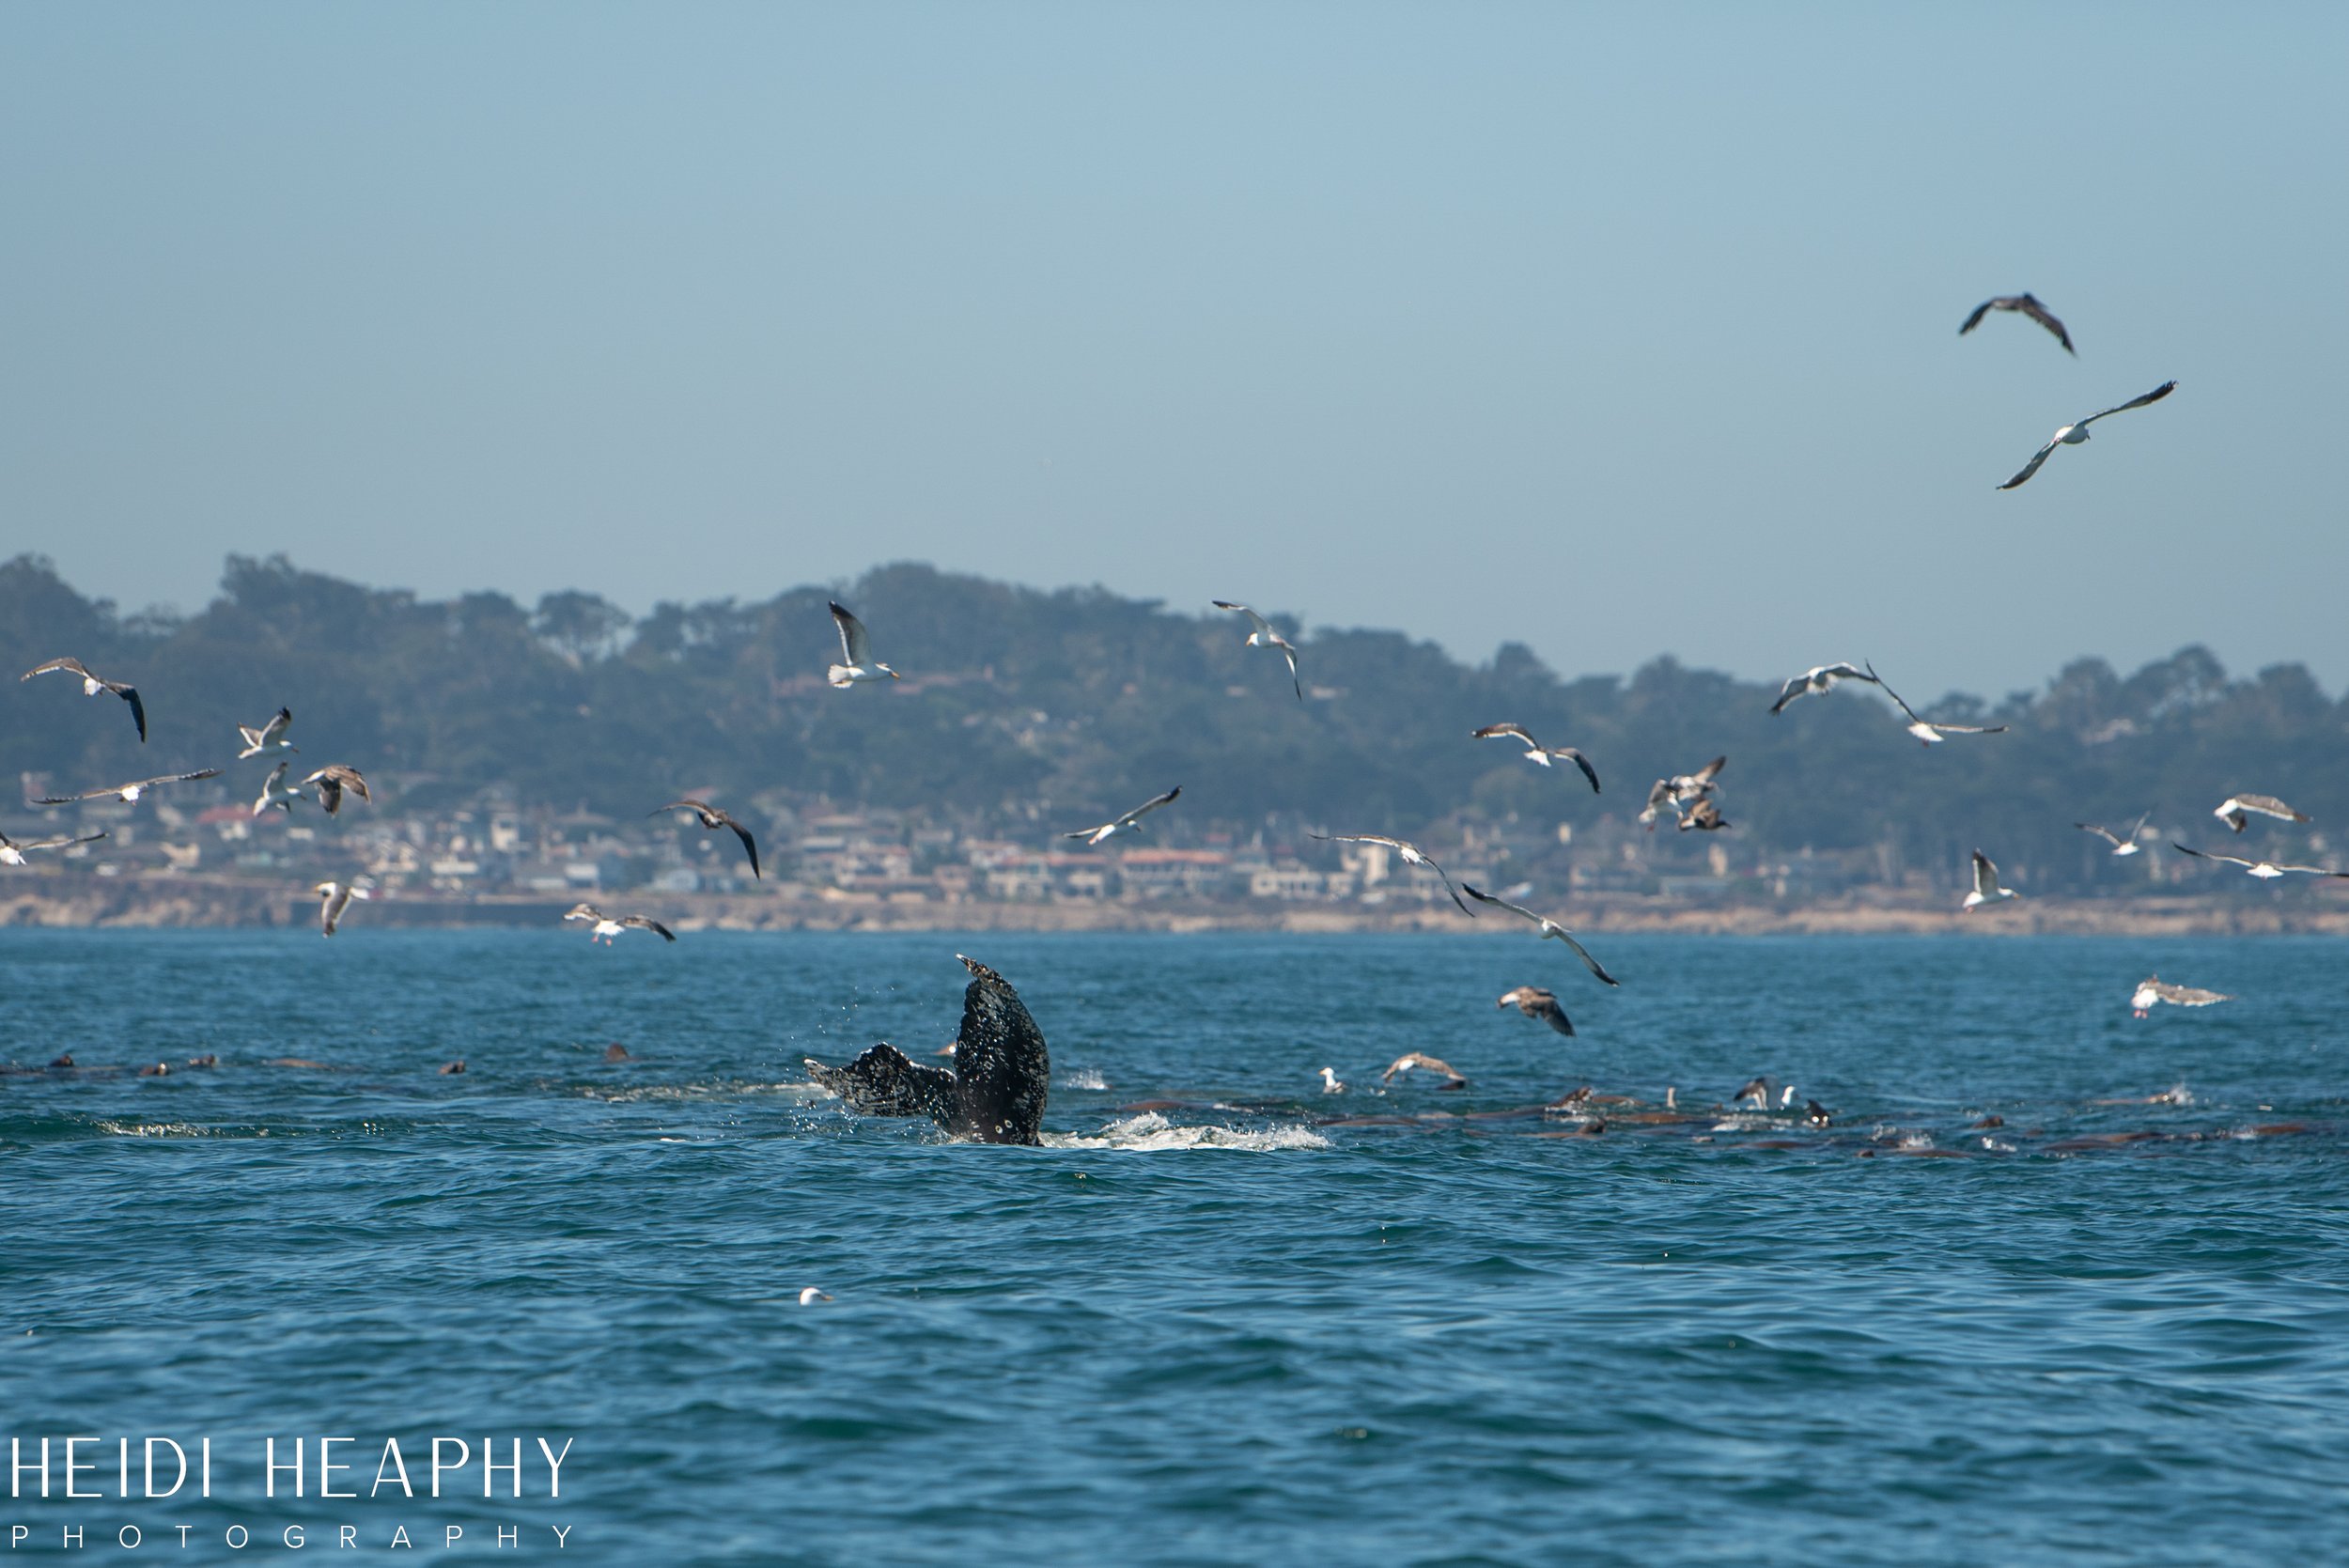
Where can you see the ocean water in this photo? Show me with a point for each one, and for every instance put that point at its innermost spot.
(1222, 1317)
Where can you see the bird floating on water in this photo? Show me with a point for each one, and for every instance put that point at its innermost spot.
(1931, 733)
(1265, 637)
(332, 779)
(608, 926)
(856, 647)
(1534, 751)
(1412, 855)
(1330, 1084)
(2266, 871)
(1986, 889)
(1816, 1114)
(270, 737)
(1130, 823)
(810, 1294)
(2230, 811)
(333, 898)
(92, 684)
(13, 853)
(277, 792)
(2027, 304)
(1549, 928)
(712, 818)
(2071, 435)
(129, 792)
(2153, 991)
(1421, 1062)
(1818, 682)
(1536, 1003)
(2123, 843)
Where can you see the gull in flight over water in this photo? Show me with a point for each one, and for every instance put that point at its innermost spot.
(13, 853)
(1425, 1064)
(130, 792)
(1549, 928)
(1818, 682)
(1265, 637)
(277, 792)
(2071, 435)
(2266, 871)
(608, 926)
(1536, 752)
(1411, 853)
(1986, 889)
(712, 818)
(1536, 1003)
(2027, 304)
(2153, 989)
(1681, 789)
(856, 647)
(2230, 811)
(332, 779)
(270, 737)
(1929, 733)
(92, 684)
(2123, 843)
(333, 898)
(1130, 823)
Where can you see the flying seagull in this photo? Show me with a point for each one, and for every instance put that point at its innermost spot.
(1682, 789)
(1411, 853)
(130, 792)
(277, 792)
(2266, 871)
(712, 818)
(1425, 1064)
(270, 737)
(333, 898)
(1130, 823)
(2153, 989)
(609, 926)
(92, 684)
(332, 780)
(2071, 435)
(1929, 733)
(1536, 1003)
(1549, 928)
(1818, 682)
(2028, 306)
(1706, 816)
(1536, 752)
(2123, 843)
(856, 647)
(13, 853)
(2230, 811)
(1986, 889)
(1265, 637)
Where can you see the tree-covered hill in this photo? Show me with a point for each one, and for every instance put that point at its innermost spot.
(1024, 708)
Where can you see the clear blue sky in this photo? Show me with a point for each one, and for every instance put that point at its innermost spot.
(1618, 331)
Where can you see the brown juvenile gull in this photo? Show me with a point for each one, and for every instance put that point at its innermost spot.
(1930, 733)
(332, 779)
(2027, 304)
(2266, 871)
(333, 898)
(129, 792)
(1265, 637)
(2230, 811)
(2071, 435)
(608, 926)
(1425, 1064)
(712, 818)
(1534, 751)
(1819, 681)
(2123, 843)
(856, 647)
(1411, 853)
(13, 853)
(1130, 823)
(92, 684)
(270, 737)
(1706, 816)
(1549, 928)
(2153, 989)
(1536, 1003)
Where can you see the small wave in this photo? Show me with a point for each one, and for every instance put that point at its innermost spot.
(175, 1129)
(1084, 1077)
(801, 1093)
(1150, 1132)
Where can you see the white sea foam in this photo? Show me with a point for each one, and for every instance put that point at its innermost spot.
(1149, 1133)
(1084, 1077)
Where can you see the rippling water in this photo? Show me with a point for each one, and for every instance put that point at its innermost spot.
(1223, 1317)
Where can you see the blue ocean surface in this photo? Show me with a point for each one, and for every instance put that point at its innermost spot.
(1222, 1317)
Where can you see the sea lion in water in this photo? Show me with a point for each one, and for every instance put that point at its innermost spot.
(995, 1092)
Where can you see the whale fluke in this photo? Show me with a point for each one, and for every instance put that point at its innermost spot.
(995, 1092)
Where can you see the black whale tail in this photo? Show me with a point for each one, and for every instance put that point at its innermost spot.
(883, 1083)
(996, 1092)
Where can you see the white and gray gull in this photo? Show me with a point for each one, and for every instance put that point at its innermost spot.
(1534, 751)
(13, 853)
(1130, 823)
(1925, 731)
(1819, 681)
(856, 647)
(2123, 843)
(2071, 435)
(1549, 928)
(1986, 889)
(608, 926)
(1412, 855)
(333, 898)
(277, 792)
(92, 684)
(2024, 303)
(2153, 991)
(270, 736)
(2266, 871)
(2230, 811)
(129, 792)
(1265, 637)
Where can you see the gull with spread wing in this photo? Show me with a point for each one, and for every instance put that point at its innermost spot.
(1534, 751)
(1130, 823)
(2027, 304)
(1549, 928)
(129, 792)
(1412, 855)
(1930, 733)
(92, 684)
(856, 647)
(1265, 637)
(712, 818)
(2071, 435)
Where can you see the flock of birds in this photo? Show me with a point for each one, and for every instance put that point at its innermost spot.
(1690, 798)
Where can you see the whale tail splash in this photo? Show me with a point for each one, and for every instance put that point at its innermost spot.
(996, 1092)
